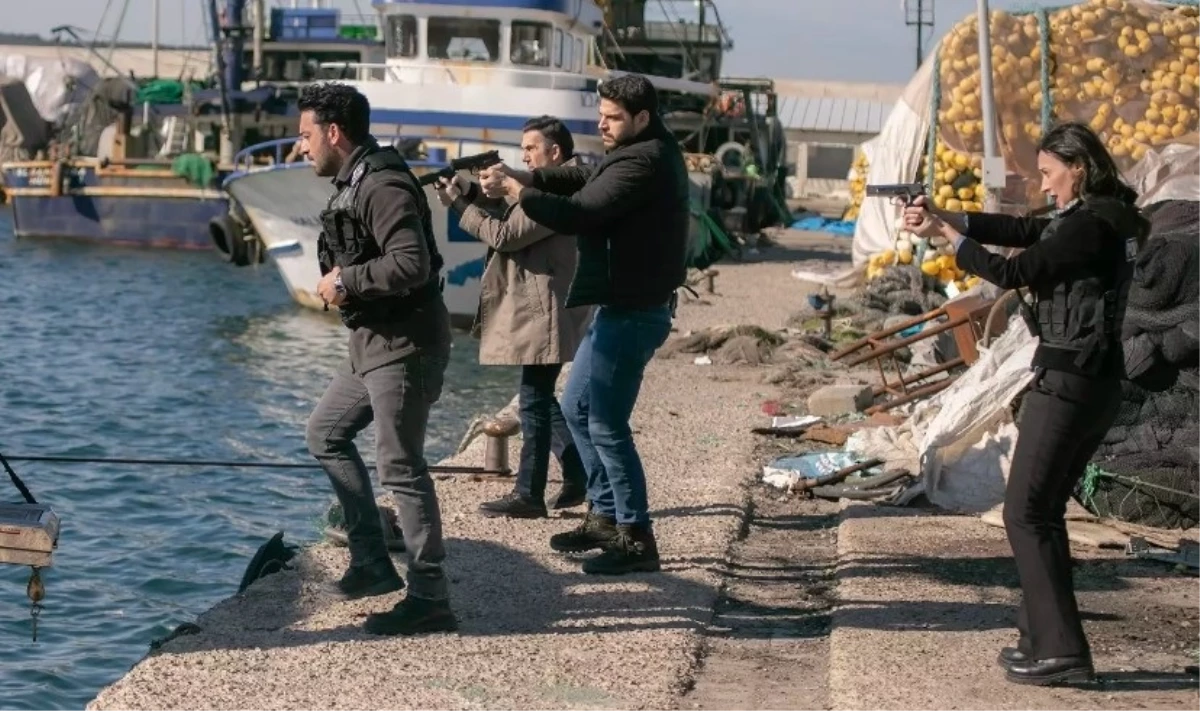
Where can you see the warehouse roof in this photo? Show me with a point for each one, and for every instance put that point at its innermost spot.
(835, 107)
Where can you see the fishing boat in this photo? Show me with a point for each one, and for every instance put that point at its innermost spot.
(460, 77)
(148, 172)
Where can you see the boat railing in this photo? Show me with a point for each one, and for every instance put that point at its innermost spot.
(423, 74)
(280, 154)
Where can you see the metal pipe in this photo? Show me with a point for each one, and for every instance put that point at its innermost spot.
(154, 44)
(260, 26)
(993, 164)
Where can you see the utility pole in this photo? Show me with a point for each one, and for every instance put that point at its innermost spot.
(919, 14)
(994, 178)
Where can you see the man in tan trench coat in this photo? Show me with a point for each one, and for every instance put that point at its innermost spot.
(522, 320)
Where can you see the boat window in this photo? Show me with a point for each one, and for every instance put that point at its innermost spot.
(401, 36)
(558, 39)
(579, 55)
(304, 66)
(530, 44)
(464, 38)
(568, 53)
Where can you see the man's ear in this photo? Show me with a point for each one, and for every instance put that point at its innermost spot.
(556, 153)
(334, 133)
(641, 121)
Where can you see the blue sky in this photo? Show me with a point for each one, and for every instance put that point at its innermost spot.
(848, 40)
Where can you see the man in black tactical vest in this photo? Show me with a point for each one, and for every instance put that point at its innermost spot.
(380, 266)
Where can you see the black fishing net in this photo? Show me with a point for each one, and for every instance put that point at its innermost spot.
(901, 290)
(1156, 489)
(1146, 470)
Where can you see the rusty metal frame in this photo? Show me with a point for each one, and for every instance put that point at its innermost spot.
(882, 346)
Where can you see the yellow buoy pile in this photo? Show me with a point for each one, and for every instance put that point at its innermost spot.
(1130, 69)
(858, 185)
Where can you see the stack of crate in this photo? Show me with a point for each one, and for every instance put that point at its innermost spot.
(304, 24)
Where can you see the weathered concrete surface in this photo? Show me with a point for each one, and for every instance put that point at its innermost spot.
(840, 399)
(925, 602)
(535, 632)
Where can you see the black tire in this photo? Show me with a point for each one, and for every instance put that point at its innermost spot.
(229, 241)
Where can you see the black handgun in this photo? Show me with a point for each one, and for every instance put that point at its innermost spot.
(909, 191)
(474, 163)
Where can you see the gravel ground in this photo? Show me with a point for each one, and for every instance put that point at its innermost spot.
(534, 631)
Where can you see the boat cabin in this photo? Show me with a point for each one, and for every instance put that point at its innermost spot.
(532, 35)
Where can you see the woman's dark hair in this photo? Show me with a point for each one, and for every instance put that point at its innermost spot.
(1076, 144)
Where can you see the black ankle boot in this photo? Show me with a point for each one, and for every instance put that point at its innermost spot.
(595, 532)
(413, 615)
(513, 506)
(378, 578)
(570, 496)
(633, 550)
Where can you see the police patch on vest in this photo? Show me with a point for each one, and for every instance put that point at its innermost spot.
(1131, 249)
(359, 171)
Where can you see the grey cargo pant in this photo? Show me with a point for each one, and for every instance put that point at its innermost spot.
(397, 396)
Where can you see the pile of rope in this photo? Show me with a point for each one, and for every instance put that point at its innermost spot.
(1146, 468)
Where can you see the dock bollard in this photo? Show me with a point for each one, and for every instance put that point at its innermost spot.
(495, 456)
(710, 280)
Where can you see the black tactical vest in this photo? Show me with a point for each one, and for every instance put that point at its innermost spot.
(1083, 316)
(345, 241)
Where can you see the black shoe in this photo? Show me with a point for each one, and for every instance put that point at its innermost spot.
(369, 580)
(595, 532)
(514, 506)
(570, 496)
(1009, 656)
(634, 550)
(413, 615)
(1056, 670)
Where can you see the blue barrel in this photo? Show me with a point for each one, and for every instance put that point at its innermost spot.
(437, 155)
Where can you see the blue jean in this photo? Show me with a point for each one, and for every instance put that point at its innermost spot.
(598, 400)
(543, 431)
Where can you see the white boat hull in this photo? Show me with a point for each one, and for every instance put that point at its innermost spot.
(284, 204)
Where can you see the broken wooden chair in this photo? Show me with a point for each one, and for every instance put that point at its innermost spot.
(966, 318)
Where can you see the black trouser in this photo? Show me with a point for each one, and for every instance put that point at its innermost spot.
(543, 430)
(1063, 420)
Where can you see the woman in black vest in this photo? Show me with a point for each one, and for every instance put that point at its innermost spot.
(1077, 263)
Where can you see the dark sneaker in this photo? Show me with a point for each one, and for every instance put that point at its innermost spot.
(413, 615)
(514, 506)
(570, 496)
(633, 550)
(595, 532)
(369, 580)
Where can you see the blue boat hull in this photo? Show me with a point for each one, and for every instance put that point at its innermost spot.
(152, 208)
(177, 223)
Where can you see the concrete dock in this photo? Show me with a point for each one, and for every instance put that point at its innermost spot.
(918, 603)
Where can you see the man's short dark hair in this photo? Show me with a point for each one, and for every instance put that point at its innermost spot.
(341, 104)
(633, 92)
(555, 131)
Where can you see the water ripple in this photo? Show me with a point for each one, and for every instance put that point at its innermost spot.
(157, 354)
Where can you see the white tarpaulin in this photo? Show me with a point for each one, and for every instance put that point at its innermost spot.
(962, 439)
(55, 85)
(894, 157)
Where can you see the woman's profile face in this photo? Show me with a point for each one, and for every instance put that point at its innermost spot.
(1059, 180)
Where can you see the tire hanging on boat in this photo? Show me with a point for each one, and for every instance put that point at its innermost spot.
(229, 241)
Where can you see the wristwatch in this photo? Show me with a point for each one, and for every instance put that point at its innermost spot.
(338, 285)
